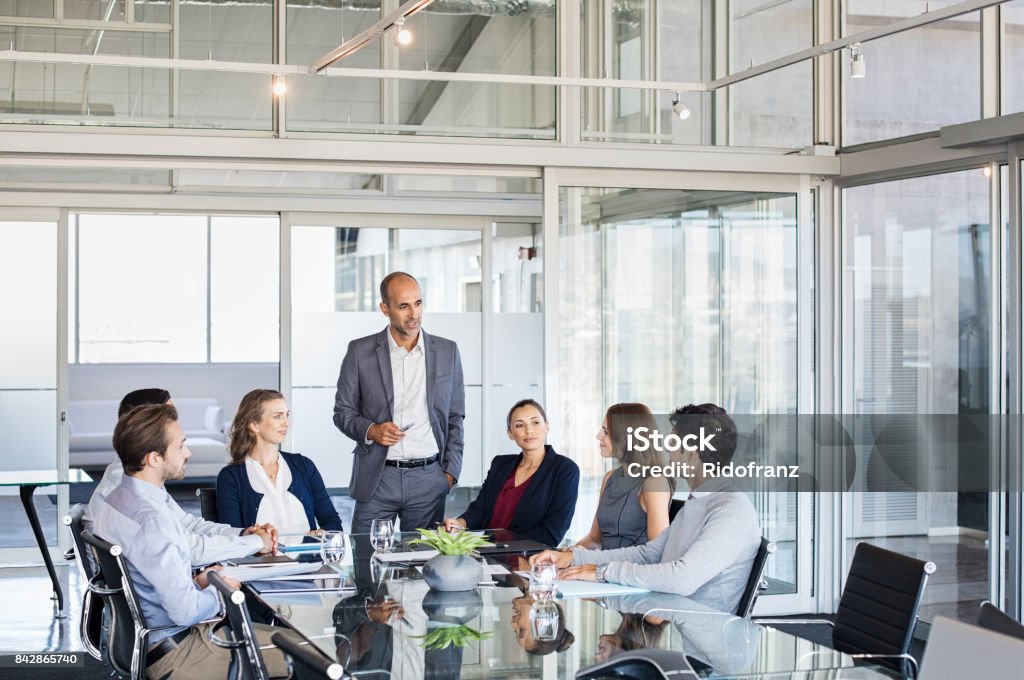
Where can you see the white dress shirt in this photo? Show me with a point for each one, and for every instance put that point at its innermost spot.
(208, 542)
(409, 380)
(279, 506)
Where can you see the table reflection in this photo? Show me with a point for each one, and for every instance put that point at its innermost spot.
(388, 623)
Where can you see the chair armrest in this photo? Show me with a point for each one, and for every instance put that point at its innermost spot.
(221, 642)
(905, 657)
(791, 622)
(99, 587)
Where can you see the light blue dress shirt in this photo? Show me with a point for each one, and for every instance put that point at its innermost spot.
(208, 542)
(139, 517)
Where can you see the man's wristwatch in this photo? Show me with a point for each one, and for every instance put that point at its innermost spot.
(599, 573)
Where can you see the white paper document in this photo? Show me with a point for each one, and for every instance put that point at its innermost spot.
(410, 556)
(272, 571)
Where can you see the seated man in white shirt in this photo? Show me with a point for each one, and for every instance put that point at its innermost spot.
(208, 541)
(707, 551)
(137, 515)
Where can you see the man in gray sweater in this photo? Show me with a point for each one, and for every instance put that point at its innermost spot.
(708, 550)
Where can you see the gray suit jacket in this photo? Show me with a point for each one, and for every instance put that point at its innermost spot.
(366, 396)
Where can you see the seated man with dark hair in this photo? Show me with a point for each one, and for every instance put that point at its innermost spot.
(208, 541)
(137, 516)
(709, 548)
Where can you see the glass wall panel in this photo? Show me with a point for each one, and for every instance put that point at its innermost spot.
(28, 366)
(1013, 55)
(642, 41)
(516, 349)
(142, 288)
(915, 81)
(153, 11)
(444, 38)
(774, 109)
(671, 297)
(245, 277)
(917, 292)
(20, 8)
(336, 272)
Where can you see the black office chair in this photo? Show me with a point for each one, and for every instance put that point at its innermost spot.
(674, 506)
(246, 659)
(305, 661)
(208, 503)
(127, 636)
(91, 624)
(992, 618)
(756, 582)
(878, 610)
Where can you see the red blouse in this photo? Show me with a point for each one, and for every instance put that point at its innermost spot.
(508, 501)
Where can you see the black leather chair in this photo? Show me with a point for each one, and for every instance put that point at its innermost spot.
(992, 618)
(208, 503)
(674, 506)
(91, 625)
(756, 582)
(878, 610)
(246, 659)
(127, 636)
(305, 661)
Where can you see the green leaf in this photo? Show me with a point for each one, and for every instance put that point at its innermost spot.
(461, 543)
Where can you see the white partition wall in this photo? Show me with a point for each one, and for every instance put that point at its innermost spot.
(28, 345)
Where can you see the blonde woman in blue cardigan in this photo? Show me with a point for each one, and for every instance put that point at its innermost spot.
(264, 484)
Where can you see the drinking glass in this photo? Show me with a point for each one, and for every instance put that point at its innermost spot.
(332, 549)
(382, 534)
(543, 581)
(544, 619)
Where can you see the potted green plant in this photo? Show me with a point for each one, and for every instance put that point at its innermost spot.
(455, 567)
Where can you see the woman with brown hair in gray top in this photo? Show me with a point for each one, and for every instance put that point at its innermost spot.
(630, 511)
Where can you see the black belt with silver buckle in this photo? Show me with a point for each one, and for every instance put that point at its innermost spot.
(166, 646)
(418, 462)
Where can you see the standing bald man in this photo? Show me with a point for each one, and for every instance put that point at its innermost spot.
(402, 399)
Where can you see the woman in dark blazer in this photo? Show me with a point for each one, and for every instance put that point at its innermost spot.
(532, 494)
(256, 488)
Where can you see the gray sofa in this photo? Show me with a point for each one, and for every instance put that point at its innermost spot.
(91, 427)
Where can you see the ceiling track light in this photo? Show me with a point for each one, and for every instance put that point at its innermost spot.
(403, 36)
(280, 86)
(679, 108)
(857, 67)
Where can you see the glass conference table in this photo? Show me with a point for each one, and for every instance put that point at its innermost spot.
(28, 481)
(384, 622)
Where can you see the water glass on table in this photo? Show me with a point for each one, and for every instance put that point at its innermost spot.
(543, 581)
(382, 535)
(332, 548)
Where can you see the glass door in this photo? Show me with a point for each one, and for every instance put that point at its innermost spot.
(917, 300)
(669, 296)
(29, 346)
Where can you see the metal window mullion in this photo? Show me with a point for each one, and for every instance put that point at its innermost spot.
(997, 578)
(63, 461)
(825, 73)
(721, 65)
(209, 289)
(285, 307)
(1015, 328)
(279, 47)
(991, 63)
(175, 85)
(568, 109)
